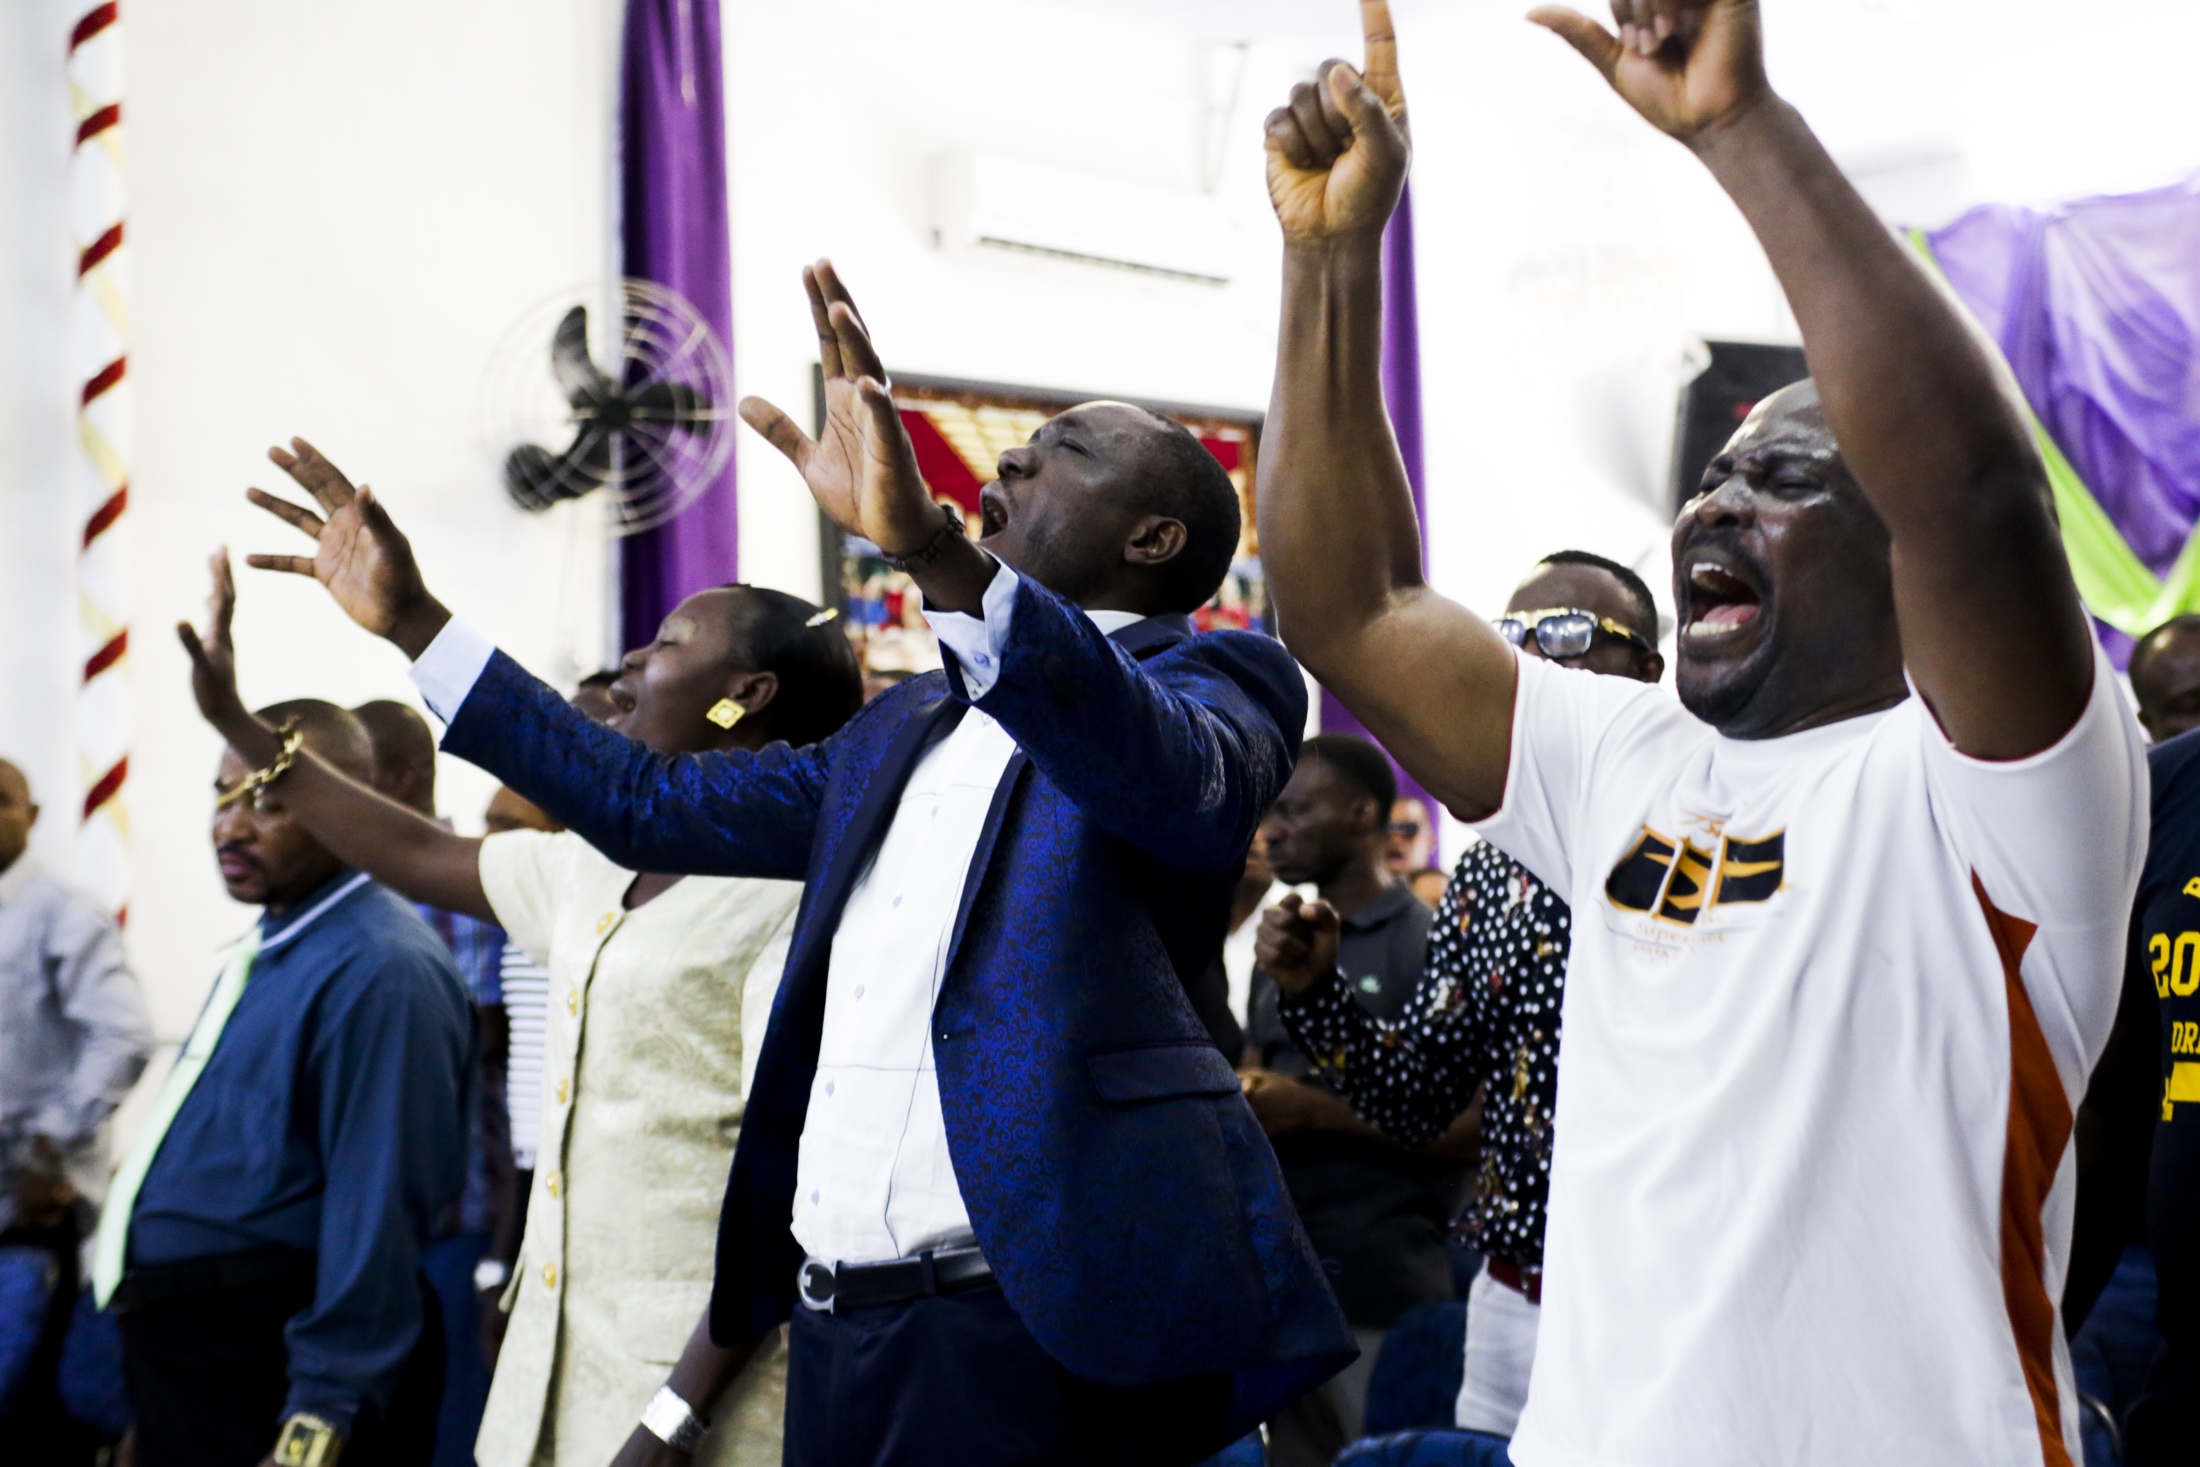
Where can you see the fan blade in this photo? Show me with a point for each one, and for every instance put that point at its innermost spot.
(676, 403)
(535, 480)
(569, 361)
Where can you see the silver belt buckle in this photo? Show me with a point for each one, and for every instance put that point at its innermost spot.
(816, 1285)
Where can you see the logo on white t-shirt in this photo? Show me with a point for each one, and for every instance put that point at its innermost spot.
(1678, 879)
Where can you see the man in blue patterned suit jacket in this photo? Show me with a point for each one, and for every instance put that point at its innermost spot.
(1012, 1198)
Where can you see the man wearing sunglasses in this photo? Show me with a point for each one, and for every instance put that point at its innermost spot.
(1485, 1014)
(1844, 956)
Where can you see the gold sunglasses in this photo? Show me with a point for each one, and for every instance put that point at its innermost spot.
(1563, 631)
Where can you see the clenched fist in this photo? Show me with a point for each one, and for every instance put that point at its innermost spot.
(1337, 153)
(1297, 944)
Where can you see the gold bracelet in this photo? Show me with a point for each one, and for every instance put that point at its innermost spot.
(308, 1441)
(254, 785)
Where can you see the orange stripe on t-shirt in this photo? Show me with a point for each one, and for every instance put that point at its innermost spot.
(2039, 1129)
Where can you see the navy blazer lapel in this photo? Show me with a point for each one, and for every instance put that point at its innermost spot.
(1141, 639)
(981, 858)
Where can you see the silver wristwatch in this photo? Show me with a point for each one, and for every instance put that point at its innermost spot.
(673, 1421)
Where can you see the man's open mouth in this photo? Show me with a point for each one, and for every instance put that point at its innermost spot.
(992, 513)
(1720, 603)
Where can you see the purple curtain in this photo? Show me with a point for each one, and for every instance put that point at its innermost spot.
(1402, 395)
(2096, 304)
(672, 175)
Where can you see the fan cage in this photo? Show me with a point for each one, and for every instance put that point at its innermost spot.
(656, 467)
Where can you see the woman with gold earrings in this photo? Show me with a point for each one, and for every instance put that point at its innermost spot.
(670, 979)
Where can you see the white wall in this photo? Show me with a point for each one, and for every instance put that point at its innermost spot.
(836, 108)
(334, 212)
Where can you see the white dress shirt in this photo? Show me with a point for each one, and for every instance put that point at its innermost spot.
(874, 1180)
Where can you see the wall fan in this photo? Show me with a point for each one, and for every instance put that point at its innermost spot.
(624, 389)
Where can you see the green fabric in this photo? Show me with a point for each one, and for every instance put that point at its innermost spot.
(2115, 584)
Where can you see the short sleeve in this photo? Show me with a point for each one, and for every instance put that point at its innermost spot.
(1561, 718)
(520, 876)
(2056, 839)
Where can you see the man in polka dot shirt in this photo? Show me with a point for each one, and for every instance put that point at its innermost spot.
(1485, 1016)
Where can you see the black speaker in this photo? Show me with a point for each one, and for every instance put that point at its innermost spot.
(1741, 375)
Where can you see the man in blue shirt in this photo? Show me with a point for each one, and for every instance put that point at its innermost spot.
(269, 1284)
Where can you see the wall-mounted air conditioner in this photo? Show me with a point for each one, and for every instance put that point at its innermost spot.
(986, 201)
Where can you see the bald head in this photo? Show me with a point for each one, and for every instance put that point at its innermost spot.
(17, 814)
(2165, 677)
(404, 752)
(329, 731)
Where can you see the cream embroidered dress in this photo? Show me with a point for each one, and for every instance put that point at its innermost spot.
(656, 1015)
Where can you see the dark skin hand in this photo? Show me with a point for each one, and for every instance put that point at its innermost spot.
(1972, 586)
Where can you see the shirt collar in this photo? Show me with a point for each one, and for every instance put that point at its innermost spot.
(1111, 622)
(1386, 908)
(310, 909)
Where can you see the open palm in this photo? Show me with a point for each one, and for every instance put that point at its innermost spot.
(359, 554)
(861, 468)
(1337, 152)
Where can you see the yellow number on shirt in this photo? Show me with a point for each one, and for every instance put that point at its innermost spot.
(2184, 973)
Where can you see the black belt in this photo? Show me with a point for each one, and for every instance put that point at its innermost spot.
(191, 1278)
(874, 1285)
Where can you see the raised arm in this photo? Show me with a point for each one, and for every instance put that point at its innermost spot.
(399, 847)
(1180, 754)
(737, 814)
(1992, 629)
(1338, 537)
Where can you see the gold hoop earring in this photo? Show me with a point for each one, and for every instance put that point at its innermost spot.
(725, 713)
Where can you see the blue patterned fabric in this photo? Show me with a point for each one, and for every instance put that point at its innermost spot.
(1415, 1382)
(1113, 1172)
(1246, 1451)
(26, 1291)
(1427, 1449)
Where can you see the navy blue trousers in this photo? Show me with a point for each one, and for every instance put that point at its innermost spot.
(957, 1381)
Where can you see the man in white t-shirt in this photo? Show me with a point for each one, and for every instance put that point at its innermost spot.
(1843, 956)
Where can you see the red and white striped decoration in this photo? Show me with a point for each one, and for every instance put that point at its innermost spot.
(99, 340)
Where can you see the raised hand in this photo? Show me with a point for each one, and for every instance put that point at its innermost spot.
(359, 553)
(1337, 153)
(213, 653)
(861, 469)
(1297, 943)
(1688, 66)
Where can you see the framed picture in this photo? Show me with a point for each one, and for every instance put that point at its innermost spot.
(959, 430)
